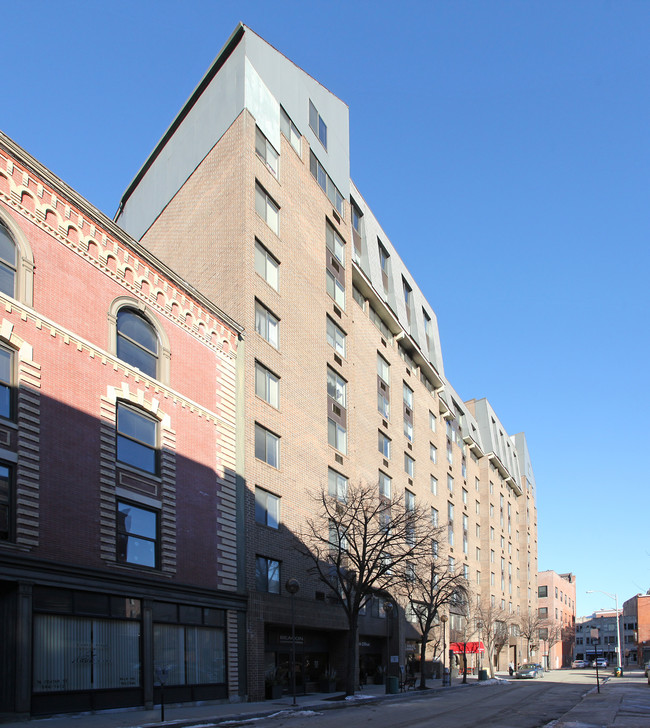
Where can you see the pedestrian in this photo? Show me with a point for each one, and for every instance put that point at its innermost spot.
(511, 669)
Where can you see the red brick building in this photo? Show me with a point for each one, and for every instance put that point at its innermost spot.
(119, 530)
(557, 611)
(636, 623)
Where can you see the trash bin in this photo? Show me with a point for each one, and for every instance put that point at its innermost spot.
(482, 674)
(392, 686)
(446, 677)
(618, 672)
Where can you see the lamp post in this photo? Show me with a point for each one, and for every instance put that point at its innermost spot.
(388, 609)
(292, 586)
(444, 619)
(619, 657)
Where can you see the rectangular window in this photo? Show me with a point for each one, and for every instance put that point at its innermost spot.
(464, 496)
(267, 385)
(428, 331)
(383, 387)
(477, 508)
(409, 500)
(337, 436)
(290, 130)
(194, 655)
(325, 183)
(318, 126)
(267, 446)
(408, 300)
(335, 289)
(267, 209)
(434, 517)
(450, 484)
(6, 503)
(6, 381)
(434, 485)
(408, 411)
(384, 262)
(357, 232)
(335, 244)
(266, 152)
(450, 453)
(137, 437)
(432, 422)
(267, 575)
(450, 511)
(266, 265)
(358, 297)
(337, 485)
(543, 612)
(380, 324)
(384, 445)
(137, 535)
(385, 483)
(409, 465)
(433, 453)
(336, 388)
(267, 508)
(542, 591)
(336, 337)
(267, 325)
(435, 549)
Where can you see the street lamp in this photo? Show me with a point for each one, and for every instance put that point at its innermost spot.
(619, 656)
(292, 586)
(388, 609)
(444, 619)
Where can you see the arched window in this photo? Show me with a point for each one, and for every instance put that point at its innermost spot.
(137, 343)
(7, 262)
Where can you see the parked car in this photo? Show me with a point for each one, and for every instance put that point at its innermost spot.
(602, 662)
(579, 663)
(647, 669)
(530, 670)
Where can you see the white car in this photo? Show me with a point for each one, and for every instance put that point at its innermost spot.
(600, 662)
(579, 663)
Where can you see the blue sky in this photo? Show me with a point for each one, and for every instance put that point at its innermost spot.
(504, 147)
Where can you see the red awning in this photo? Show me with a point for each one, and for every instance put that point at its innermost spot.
(467, 647)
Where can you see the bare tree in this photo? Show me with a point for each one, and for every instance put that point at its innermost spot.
(494, 629)
(462, 623)
(429, 585)
(529, 625)
(359, 545)
(551, 632)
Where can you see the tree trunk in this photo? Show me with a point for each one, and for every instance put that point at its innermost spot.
(352, 666)
(423, 652)
(465, 663)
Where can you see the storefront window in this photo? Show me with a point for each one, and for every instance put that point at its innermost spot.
(189, 655)
(76, 653)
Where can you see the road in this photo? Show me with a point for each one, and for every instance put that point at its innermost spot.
(508, 704)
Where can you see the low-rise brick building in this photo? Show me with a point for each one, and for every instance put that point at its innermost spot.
(120, 524)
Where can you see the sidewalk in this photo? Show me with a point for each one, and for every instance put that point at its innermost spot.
(623, 702)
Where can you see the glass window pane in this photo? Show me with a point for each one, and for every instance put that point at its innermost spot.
(136, 356)
(137, 426)
(135, 454)
(7, 276)
(138, 521)
(137, 328)
(140, 552)
(7, 247)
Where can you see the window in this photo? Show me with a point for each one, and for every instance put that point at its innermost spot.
(408, 300)
(6, 503)
(477, 507)
(335, 244)
(137, 438)
(478, 531)
(435, 548)
(335, 289)
(409, 501)
(408, 411)
(336, 337)
(478, 553)
(289, 129)
(266, 265)
(434, 485)
(452, 564)
(325, 183)
(409, 465)
(477, 484)
(357, 232)
(450, 453)
(428, 331)
(358, 297)
(267, 575)
(466, 572)
(6, 380)
(450, 512)
(137, 343)
(491, 533)
(267, 508)
(385, 483)
(384, 262)
(7, 263)
(434, 516)
(543, 612)
(433, 453)
(432, 422)
(384, 445)
(267, 385)
(383, 386)
(318, 126)
(266, 152)
(336, 387)
(267, 325)
(337, 436)
(267, 209)
(450, 484)
(137, 535)
(337, 485)
(464, 496)
(267, 446)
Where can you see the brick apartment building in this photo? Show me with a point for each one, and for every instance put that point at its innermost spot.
(248, 196)
(557, 608)
(119, 539)
(636, 629)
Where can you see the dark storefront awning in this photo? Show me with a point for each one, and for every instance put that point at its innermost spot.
(467, 647)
